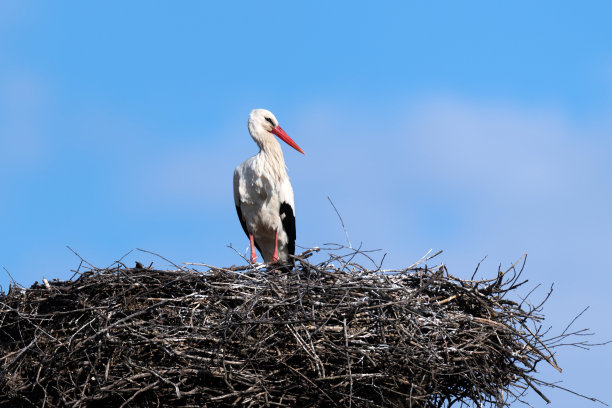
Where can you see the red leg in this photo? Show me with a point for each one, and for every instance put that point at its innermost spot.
(275, 256)
(253, 254)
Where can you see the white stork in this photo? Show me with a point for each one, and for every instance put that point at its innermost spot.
(263, 193)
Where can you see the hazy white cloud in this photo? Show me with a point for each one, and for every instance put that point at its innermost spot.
(510, 151)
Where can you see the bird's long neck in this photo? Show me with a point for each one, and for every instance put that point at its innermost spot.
(271, 158)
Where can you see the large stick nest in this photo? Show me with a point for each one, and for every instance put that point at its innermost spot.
(328, 334)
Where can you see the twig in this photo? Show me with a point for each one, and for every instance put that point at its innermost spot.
(341, 222)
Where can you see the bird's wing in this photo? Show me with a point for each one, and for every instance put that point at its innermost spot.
(287, 213)
(237, 200)
(237, 186)
(238, 203)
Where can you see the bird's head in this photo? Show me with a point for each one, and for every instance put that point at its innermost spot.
(263, 124)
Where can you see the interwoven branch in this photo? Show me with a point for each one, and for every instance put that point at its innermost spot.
(333, 333)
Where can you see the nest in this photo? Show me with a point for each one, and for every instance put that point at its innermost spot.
(333, 333)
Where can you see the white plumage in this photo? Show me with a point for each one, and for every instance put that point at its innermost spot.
(263, 193)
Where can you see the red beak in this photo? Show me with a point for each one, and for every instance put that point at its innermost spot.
(278, 131)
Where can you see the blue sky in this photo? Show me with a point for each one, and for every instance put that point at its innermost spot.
(478, 128)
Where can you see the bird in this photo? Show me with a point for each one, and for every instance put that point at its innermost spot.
(263, 194)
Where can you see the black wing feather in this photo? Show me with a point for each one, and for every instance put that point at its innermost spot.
(288, 225)
(244, 227)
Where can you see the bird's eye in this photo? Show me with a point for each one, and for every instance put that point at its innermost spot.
(270, 120)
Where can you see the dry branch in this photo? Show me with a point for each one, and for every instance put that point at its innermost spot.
(328, 334)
